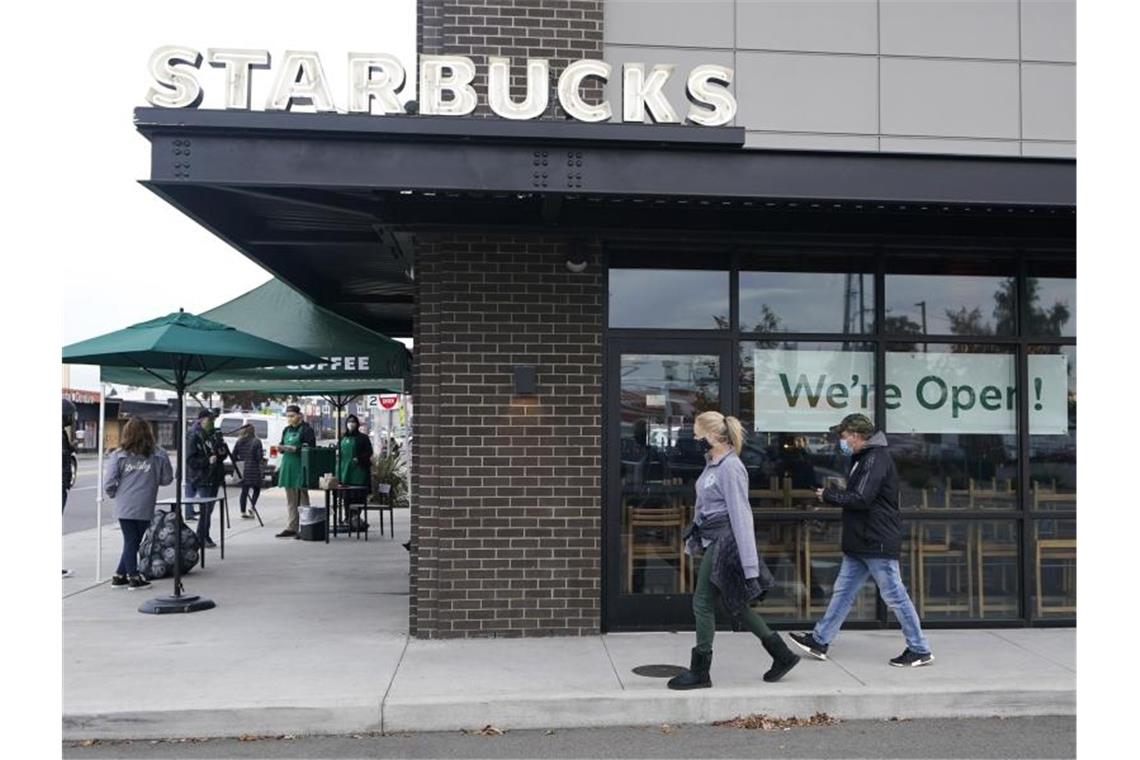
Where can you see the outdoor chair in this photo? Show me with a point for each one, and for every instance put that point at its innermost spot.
(380, 501)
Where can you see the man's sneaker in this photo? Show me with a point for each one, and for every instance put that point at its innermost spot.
(285, 534)
(66, 573)
(118, 581)
(210, 543)
(137, 582)
(807, 642)
(246, 516)
(912, 659)
(190, 518)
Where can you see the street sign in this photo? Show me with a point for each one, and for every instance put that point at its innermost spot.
(388, 401)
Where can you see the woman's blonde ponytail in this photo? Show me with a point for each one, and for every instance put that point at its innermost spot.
(735, 433)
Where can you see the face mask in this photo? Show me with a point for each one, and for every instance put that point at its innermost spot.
(845, 447)
(704, 445)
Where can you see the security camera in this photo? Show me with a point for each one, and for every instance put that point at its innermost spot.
(576, 266)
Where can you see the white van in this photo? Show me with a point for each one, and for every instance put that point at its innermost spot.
(266, 427)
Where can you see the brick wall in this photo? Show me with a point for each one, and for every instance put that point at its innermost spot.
(506, 491)
(561, 30)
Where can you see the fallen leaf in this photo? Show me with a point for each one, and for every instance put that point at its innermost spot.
(667, 729)
(768, 723)
(489, 730)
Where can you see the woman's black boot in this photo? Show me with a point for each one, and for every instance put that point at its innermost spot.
(697, 676)
(783, 659)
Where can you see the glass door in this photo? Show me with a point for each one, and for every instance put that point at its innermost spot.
(655, 390)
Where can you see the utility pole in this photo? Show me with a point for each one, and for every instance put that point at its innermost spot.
(922, 305)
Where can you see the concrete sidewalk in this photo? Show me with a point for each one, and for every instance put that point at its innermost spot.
(311, 639)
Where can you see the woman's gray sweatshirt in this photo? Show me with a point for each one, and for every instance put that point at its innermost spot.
(723, 489)
(133, 480)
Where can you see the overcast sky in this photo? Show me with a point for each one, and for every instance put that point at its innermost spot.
(127, 255)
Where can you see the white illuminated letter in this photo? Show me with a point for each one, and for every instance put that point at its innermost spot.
(460, 72)
(569, 91)
(641, 93)
(708, 85)
(537, 88)
(237, 63)
(301, 81)
(374, 75)
(177, 89)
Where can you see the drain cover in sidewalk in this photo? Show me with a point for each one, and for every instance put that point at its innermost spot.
(658, 671)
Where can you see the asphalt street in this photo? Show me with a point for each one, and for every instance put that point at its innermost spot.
(1045, 737)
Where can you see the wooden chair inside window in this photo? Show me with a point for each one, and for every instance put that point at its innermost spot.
(996, 542)
(935, 543)
(992, 494)
(784, 541)
(655, 533)
(1062, 550)
(771, 497)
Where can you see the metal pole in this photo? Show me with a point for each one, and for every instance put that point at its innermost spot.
(99, 493)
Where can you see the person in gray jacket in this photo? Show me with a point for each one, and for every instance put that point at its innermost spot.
(731, 569)
(133, 474)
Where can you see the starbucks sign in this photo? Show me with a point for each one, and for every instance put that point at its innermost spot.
(375, 81)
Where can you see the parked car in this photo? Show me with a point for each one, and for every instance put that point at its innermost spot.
(266, 427)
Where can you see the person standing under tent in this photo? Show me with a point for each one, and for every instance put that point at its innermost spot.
(297, 435)
(355, 467)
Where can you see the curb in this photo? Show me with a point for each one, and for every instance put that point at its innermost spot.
(567, 711)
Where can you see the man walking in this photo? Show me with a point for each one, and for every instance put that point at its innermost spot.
(289, 476)
(201, 462)
(872, 540)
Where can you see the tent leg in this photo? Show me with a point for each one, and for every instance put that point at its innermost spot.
(176, 602)
(100, 432)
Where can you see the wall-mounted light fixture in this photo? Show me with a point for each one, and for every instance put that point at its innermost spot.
(525, 380)
(576, 260)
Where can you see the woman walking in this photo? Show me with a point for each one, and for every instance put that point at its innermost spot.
(730, 568)
(249, 452)
(132, 476)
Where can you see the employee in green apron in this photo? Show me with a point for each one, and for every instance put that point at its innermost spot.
(296, 436)
(355, 468)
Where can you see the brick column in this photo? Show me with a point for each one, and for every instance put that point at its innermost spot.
(507, 490)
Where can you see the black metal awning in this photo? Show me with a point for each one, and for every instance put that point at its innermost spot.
(330, 202)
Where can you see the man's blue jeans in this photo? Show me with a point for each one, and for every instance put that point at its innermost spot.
(203, 529)
(853, 574)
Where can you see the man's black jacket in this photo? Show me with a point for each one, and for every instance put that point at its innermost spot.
(872, 526)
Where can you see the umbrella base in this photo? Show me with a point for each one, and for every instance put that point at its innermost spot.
(163, 605)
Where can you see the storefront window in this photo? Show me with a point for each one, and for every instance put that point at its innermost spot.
(952, 425)
(669, 299)
(923, 304)
(1053, 449)
(790, 394)
(775, 302)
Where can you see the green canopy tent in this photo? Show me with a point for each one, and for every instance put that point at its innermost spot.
(357, 360)
(179, 350)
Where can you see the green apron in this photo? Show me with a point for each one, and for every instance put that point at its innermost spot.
(289, 474)
(350, 472)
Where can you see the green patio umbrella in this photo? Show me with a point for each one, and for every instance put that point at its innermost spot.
(179, 350)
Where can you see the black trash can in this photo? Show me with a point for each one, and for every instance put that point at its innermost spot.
(314, 523)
